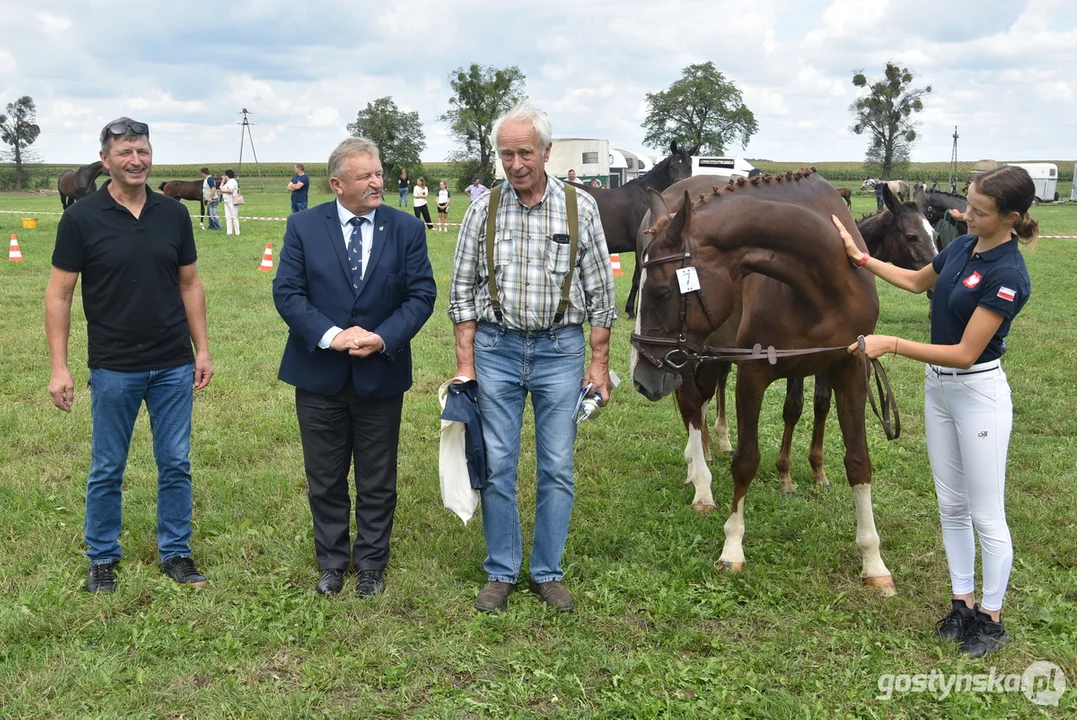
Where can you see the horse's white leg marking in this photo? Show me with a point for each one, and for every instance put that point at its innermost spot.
(874, 572)
(699, 474)
(721, 430)
(733, 551)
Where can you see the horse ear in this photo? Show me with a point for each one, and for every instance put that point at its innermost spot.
(658, 206)
(891, 200)
(682, 221)
(673, 148)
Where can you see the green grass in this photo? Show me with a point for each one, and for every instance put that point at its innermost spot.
(657, 633)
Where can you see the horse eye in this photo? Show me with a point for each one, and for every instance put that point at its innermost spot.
(912, 238)
(660, 293)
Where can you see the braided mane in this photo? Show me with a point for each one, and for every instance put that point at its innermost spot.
(735, 184)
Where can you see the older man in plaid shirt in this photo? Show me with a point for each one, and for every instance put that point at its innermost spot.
(521, 346)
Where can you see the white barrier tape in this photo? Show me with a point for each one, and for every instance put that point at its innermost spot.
(29, 213)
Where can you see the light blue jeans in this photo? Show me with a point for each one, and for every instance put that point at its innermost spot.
(115, 399)
(509, 365)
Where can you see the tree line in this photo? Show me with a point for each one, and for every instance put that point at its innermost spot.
(702, 110)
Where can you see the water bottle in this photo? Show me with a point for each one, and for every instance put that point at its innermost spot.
(592, 402)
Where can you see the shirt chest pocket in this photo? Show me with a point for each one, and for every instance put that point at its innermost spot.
(557, 257)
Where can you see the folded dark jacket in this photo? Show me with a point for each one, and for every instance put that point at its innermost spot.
(462, 405)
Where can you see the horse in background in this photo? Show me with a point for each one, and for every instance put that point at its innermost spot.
(622, 209)
(898, 187)
(75, 184)
(187, 190)
(936, 206)
(768, 246)
(847, 196)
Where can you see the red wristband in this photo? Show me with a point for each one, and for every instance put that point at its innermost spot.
(862, 261)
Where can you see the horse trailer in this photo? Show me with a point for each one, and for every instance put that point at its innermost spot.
(1044, 177)
(726, 167)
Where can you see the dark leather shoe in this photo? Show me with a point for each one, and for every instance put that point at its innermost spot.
(554, 594)
(369, 583)
(494, 597)
(985, 637)
(183, 570)
(331, 582)
(101, 578)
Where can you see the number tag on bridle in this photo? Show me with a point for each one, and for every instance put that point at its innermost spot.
(688, 279)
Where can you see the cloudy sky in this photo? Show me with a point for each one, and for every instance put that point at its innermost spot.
(1003, 71)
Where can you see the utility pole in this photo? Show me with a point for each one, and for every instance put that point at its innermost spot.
(245, 133)
(953, 164)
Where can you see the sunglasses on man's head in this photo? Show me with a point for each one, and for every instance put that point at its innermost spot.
(121, 128)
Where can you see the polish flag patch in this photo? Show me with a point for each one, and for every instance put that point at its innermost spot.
(972, 280)
(1007, 293)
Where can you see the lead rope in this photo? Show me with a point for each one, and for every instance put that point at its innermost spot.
(886, 393)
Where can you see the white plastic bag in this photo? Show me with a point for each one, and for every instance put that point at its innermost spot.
(456, 491)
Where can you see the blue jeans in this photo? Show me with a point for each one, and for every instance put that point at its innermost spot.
(211, 211)
(115, 399)
(403, 197)
(509, 365)
(298, 205)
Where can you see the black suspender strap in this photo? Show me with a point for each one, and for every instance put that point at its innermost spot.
(574, 242)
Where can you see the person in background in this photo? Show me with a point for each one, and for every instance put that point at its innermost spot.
(595, 183)
(572, 177)
(144, 305)
(231, 213)
(211, 199)
(980, 284)
(348, 354)
(403, 187)
(418, 201)
(525, 345)
(443, 199)
(475, 189)
(880, 201)
(300, 187)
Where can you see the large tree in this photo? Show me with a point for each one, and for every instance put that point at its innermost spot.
(702, 110)
(885, 114)
(398, 134)
(18, 129)
(480, 96)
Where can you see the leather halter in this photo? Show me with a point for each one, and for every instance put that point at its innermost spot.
(683, 352)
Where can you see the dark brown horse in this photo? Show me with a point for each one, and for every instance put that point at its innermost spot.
(75, 184)
(937, 206)
(186, 190)
(766, 250)
(622, 209)
(846, 195)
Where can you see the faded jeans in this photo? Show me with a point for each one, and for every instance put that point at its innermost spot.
(509, 365)
(115, 399)
(211, 211)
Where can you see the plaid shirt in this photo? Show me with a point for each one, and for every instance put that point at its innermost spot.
(530, 266)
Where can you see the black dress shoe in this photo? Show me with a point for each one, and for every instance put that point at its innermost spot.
(369, 583)
(101, 578)
(331, 582)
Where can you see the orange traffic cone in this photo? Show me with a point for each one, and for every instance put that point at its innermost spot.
(14, 254)
(267, 259)
(615, 260)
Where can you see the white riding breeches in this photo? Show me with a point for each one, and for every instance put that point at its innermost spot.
(968, 416)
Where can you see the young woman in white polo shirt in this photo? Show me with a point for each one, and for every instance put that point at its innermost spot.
(980, 283)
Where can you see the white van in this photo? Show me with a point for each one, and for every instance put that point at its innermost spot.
(1044, 177)
(726, 167)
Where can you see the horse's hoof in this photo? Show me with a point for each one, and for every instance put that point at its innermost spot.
(824, 485)
(882, 585)
(703, 508)
(787, 490)
(728, 566)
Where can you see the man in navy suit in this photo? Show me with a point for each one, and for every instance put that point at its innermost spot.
(354, 284)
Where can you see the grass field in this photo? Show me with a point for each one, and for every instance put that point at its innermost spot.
(657, 634)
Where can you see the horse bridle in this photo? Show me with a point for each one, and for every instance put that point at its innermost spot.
(683, 352)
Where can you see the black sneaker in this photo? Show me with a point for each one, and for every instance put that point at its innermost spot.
(985, 636)
(182, 570)
(955, 626)
(369, 583)
(101, 578)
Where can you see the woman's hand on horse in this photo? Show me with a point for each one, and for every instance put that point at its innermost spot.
(876, 346)
(957, 215)
(851, 249)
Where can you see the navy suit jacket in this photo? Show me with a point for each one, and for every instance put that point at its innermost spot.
(313, 292)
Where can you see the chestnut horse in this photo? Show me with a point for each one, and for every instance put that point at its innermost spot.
(622, 209)
(846, 195)
(766, 247)
(75, 184)
(186, 190)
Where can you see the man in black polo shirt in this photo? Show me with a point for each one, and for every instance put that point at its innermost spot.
(144, 305)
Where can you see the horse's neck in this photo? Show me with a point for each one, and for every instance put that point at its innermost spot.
(872, 230)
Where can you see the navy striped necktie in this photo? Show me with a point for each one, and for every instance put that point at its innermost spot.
(355, 250)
